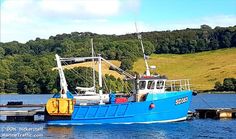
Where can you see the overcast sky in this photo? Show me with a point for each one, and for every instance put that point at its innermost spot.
(24, 20)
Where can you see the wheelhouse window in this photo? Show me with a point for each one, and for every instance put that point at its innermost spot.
(160, 85)
(151, 85)
(142, 85)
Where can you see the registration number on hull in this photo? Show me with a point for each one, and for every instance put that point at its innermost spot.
(181, 100)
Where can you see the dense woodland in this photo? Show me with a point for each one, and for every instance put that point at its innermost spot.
(229, 84)
(27, 68)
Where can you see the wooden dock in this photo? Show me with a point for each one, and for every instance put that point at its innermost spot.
(216, 113)
(21, 106)
(22, 116)
(36, 114)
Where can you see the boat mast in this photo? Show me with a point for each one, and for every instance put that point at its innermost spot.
(100, 77)
(93, 66)
(144, 56)
(63, 83)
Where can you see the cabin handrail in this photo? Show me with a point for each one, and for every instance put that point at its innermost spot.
(177, 85)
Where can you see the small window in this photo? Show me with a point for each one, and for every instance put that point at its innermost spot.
(151, 85)
(160, 84)
(142, 85)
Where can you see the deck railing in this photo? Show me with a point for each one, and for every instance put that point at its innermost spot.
(177, 85)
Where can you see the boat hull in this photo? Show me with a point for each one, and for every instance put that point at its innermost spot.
(167, 107)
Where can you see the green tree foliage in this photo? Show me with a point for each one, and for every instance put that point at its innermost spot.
(229, 84)
(116, 85)
(218, 86)
(27, 68)
(81, 77)
(205, 27)
(126, 64)
(2, 52)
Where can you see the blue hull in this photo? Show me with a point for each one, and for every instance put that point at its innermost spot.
(168, 107)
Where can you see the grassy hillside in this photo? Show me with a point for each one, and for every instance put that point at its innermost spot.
(105, 67)
(203, 69)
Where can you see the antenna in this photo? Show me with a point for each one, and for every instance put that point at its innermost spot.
(144, 56)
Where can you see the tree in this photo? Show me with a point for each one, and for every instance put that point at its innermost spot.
(218, 86)
(149, 47)
(126, 64)
(233, 40)
(29, 64)
(228, 84)
(10, 86)
(205, 27)
(214, 44)
(67, 46)
(2, 52)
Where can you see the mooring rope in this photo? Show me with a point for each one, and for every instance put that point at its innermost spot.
(205, 102)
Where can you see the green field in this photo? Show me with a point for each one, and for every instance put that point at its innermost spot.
(203, 69)
(105, 67)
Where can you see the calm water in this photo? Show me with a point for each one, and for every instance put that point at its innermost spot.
(197, 128)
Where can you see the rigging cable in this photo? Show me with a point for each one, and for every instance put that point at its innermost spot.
(205, 101)
(76, 72)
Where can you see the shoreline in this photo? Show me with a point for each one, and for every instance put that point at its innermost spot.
(198, 92)
(215, 92)
(23, 94)
(223, 92)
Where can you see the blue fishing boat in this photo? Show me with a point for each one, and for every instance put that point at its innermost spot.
(153, 99)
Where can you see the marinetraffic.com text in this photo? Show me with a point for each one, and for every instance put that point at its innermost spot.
(21, 132)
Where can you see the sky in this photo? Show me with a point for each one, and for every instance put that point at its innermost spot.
(24, 20)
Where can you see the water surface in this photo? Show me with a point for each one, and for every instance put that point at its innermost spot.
(197, 128)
